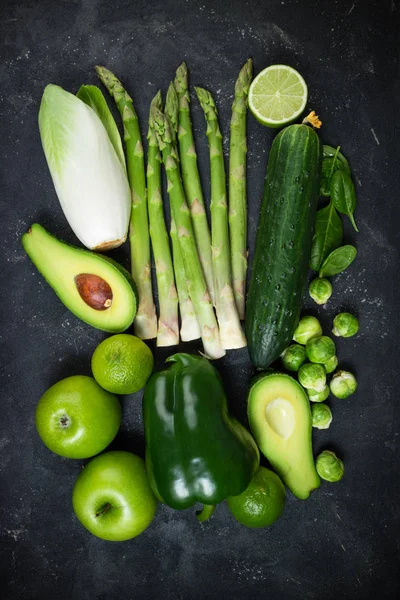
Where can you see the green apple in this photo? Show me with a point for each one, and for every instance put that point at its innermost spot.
(112, 497)
(76, 418)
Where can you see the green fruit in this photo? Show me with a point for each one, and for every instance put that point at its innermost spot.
(92, 286)
(112, 497)
(283, 244)
(122, 364)
(76, 418)
(277, 96)
(262, 502)
(280, 420)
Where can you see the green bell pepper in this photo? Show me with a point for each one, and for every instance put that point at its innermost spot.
(195, 451)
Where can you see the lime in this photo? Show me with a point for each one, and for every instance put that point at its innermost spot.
(122, 364)
(262, 503)
(277, 96)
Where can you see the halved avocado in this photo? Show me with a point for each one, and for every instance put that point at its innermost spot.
(280, 420)
(94, 287)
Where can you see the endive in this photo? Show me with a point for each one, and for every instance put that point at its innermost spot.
(88, 171)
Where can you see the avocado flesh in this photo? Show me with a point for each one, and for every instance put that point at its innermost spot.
(280, 420)
(60, 263)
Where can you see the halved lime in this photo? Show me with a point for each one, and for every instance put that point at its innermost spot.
(277, 96)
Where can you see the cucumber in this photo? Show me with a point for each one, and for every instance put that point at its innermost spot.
(283, 243)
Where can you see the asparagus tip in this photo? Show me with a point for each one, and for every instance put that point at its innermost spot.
(181, 79)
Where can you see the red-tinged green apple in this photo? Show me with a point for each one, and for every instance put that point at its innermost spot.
(76, 418)
(112, 497)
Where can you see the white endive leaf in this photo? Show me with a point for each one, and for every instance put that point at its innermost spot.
(90, 181)
(93, 97)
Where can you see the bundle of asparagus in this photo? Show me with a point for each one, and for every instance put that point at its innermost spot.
(205, 269)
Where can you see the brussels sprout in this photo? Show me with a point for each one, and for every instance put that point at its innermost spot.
(308, 328)
(321, 416)
(293, 357)
(345, 325)
(320, 290)
(331, 364)
(343, 384)
(315, 396)
(329, 466)
(312, 377)
(320, 349)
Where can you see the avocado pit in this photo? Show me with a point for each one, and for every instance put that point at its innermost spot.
(94, 291)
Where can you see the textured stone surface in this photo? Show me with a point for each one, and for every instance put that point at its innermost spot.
(342, 542)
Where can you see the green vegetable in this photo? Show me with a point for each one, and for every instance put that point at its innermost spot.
(312, 377)
(231, 334)
(333, 160)
(293, 357)
(320, 290)
(329, 466)
(307, 329)
(181, 216)
(283, 243)
(88, 173)
(320, 349)
(330, 152)
(327, 168)
(145, 324)
(195, 451)
(191, 178)
(343, 384)
(315, 396)
(168, 326)
(331, 364)
(321, 416)
(345, 325)
(93, 97)
(237, 186)
(205, 513)
(327, 237)
(338, 261)
(190, 329)
(343, 195)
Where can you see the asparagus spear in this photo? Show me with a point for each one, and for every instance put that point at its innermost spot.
(191, 178)
(237, 186)
(231, 333)
(145, 324)
(181, 215)
(168, 327)
(190, 329)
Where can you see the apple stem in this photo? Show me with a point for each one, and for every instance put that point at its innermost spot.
(105, 508)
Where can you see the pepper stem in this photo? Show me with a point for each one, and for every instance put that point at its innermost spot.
(205, 513)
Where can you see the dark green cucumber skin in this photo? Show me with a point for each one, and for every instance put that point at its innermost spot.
(283, 243)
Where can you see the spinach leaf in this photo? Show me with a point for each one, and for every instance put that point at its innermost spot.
(343, 195)
(338, 261)
(327, 167)
(328, 235)
(330, 152)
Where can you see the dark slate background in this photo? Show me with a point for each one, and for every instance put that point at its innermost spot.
(344, 541)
